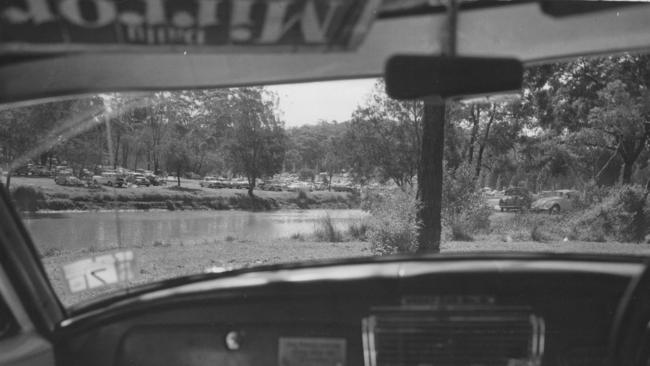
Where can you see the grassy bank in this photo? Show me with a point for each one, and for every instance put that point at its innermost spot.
(37, 196)
(157, 261)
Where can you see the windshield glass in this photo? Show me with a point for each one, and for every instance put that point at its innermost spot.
(122, 189)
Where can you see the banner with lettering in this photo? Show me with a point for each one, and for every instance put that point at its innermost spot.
(56, 26)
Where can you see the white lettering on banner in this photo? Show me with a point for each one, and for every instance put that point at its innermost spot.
(100, 271)
(313, 30)
(240, 28)
(37, 11)
(208, 12)
(105, 9)
(60, 25)
(154, 14)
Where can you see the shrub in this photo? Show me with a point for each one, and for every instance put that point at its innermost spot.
(170, 205)
(325, 231)
(306, 174)
(302, 195)
(459, 233)
(298, 237)
(463, 207)
(393, 225)
(60, 204)
(623, 215)
(537, 235)
(358, 231)
(27, 198)
(51, 252)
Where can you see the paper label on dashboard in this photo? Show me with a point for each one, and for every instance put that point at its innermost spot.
(102, 270)
(311, 351)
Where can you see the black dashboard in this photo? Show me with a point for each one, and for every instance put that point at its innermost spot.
(402, 312)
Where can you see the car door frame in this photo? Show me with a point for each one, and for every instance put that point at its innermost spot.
(20, 262)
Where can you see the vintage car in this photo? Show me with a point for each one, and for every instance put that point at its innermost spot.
(119, 300)
(111, 179)
(515, 199)
(208, 182)
(556, 201)
(68, 180)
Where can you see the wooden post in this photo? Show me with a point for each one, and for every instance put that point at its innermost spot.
(432, 152)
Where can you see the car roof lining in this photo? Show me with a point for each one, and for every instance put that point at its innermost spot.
(511, 29)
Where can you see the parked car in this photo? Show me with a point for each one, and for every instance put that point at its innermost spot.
(556, 202)
(208, 182)
(156, 180)
(110, 179)
(239, 183)
(141, 180)
(515, 199)
(300, 186)
(68, 180)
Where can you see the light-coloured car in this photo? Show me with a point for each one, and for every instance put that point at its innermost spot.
(558, 201)
(208, 182)
(108, 179)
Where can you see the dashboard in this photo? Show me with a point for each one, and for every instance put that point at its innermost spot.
(446, 312)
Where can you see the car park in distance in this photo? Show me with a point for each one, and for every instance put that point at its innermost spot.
(515, 199)
(556, 201)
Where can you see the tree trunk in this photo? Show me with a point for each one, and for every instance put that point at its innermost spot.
(430, 177)
(626, 177)
(251, 186)
(474, 135)
(8, 181)
(479, 158)
(178, 176)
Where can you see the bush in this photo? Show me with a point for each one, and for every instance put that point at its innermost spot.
(298, 237)
(170, 205)
(302, 195)
(60, 204)
(464, 208)
(358, 231)
(537, 235)
(325, 231)
(623, 215)
(459, 233)
(306, 174)
(393, 225)
(27, 198)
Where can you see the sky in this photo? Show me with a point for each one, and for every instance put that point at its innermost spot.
(307, 103)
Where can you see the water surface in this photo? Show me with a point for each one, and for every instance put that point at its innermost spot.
(100, 229)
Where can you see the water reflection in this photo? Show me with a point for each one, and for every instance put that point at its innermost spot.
(99, 229)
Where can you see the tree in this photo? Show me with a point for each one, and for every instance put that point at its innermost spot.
(178, 157)
(385, 136)
(30, 131)
(256, 142)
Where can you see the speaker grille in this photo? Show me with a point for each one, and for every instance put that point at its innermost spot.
(476, 335)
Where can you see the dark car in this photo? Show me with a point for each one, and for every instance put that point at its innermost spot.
(516, 199)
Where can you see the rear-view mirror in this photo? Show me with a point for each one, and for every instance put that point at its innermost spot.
(418, 76)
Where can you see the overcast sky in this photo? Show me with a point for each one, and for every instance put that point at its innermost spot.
(308, 103)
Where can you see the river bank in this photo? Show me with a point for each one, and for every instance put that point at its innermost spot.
(161, 261)
(34, 195)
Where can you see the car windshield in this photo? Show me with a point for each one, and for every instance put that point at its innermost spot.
(181, 182)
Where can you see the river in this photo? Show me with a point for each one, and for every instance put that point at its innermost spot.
(75, 230)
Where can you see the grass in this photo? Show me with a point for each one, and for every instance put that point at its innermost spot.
(157, 261)
(326, 231)
(43, 194)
